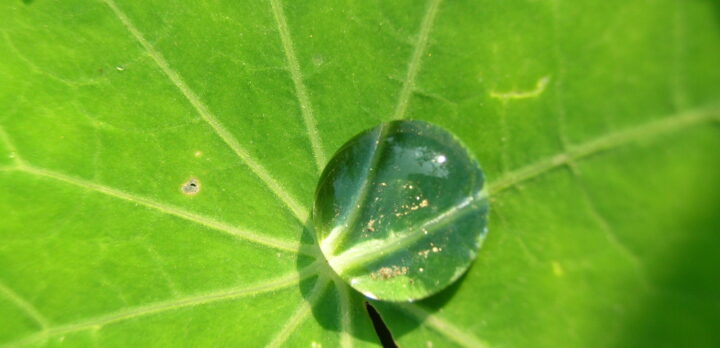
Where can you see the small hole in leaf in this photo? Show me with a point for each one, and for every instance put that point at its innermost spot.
(381, 329)
(191, 187)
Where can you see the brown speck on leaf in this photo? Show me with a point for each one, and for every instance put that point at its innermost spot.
(389, 272)
(191, 187)
(411, 208)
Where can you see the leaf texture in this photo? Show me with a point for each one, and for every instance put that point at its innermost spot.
(596, 124)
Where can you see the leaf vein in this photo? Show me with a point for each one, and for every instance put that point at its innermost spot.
(330, 244)
(14, 155)
(375, 249)
(447, 329)
(296, 74)
(611, 236)
(300, 314)
(165, 306)
(609, 141)
(24, 305)
(416, 59)
(168, 209)
(344, 313)
(298, 210)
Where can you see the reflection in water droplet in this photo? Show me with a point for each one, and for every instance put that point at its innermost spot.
(397, 200)
(370, 295)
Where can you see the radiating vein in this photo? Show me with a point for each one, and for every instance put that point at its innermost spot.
(375, 249)
(298, 210)
(678, 38)
(610, 235)
(450, 331)
(24, 305)
(168, 209)
(606, 142)
(300, 314)
(14, 155)
(416, 59)
(337, 235)
(344, 313)
(559, 80)
(169, 305)
(305, 106)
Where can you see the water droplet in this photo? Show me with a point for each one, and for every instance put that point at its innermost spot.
(395, 201)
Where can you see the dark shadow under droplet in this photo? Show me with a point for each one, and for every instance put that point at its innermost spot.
(380, 328)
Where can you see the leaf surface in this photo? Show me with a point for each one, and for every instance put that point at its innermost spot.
(596, 124)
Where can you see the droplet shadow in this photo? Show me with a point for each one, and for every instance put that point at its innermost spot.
(327, 308)
(401, 322)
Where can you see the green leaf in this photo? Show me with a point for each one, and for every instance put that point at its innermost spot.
(595, 122)
(401, 210)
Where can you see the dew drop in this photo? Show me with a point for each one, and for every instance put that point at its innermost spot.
(395, 201)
